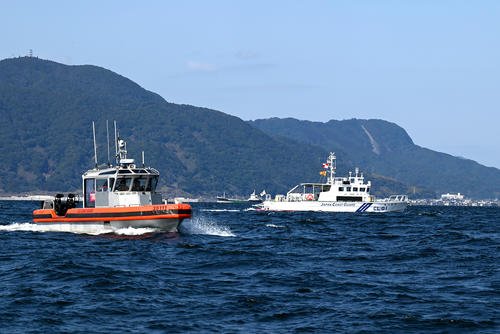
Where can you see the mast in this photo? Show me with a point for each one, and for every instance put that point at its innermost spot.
(95, 145)
(116, 144)
(107, 136)
(332, 164)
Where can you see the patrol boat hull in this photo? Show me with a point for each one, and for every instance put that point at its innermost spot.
(166, 218)
(330, 206)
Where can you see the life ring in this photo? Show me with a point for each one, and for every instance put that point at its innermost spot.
(309, 197)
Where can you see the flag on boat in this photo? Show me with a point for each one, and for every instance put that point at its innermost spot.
(323, 173)
(326, 165)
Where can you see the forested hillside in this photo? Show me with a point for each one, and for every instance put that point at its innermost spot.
(47, 109)
(385, 148)
(46, 139)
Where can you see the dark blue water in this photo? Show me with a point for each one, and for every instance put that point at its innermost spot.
(430, 269)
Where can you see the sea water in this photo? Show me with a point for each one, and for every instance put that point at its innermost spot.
(234, 269)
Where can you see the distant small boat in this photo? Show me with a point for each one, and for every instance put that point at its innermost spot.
(254, 198)
(227, 200)
(178, 200)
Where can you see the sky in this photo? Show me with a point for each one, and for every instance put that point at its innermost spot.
(430, 66)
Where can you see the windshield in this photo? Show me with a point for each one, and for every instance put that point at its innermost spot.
(123, 184)
(139, 183)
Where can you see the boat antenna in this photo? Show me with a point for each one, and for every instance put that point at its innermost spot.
(142, 158)
(95, 145)
(116, 144)
(107, 136)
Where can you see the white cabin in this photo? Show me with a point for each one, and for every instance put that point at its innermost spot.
(122, 185)
(336, 189)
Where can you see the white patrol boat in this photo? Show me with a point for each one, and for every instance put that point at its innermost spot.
(338, 194)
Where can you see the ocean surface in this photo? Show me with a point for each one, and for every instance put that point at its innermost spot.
(231, 270)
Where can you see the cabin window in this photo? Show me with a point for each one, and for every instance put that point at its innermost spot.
(350, 198)
(362, 189)
(326, 188)
(140, 171)
(368, 189)
(108, 172)
(140, 184)
(101, 184)
(341, 188)
(348, 189)
(152, 184)
(89, 193)
(111, 183)
(123, 184)
(355, 189)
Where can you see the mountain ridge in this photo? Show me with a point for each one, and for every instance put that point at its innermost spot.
(200, 151)
(46, 138)
(395, 154)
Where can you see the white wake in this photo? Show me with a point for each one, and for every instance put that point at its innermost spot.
(79, 229)
(220, 210)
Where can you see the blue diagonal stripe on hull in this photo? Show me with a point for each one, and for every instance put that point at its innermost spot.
(367, 205)
(360, 209)
(363, 207)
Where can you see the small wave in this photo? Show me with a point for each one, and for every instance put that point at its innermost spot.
(275, 226)
(92, 229)
(203, 226)
(220, 210)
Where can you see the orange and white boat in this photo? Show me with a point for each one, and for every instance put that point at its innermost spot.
(118, 196)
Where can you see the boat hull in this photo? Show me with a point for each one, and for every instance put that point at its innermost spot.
(163, 217)
(326, 206)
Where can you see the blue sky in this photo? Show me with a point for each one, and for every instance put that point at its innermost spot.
(432, 67)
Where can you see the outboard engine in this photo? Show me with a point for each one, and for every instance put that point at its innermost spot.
(60, 205)
(70, 202)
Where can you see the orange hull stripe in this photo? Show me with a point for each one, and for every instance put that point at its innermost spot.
(57, 219)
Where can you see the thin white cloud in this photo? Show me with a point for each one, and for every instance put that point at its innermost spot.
(197, 66)
(246, 54)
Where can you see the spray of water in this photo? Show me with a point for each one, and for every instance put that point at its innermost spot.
(202, 225)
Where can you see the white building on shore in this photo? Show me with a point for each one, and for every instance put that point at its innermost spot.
(452, 197)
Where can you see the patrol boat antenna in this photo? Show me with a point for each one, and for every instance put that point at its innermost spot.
(95, 145)
(116, 144)
(107, 137)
